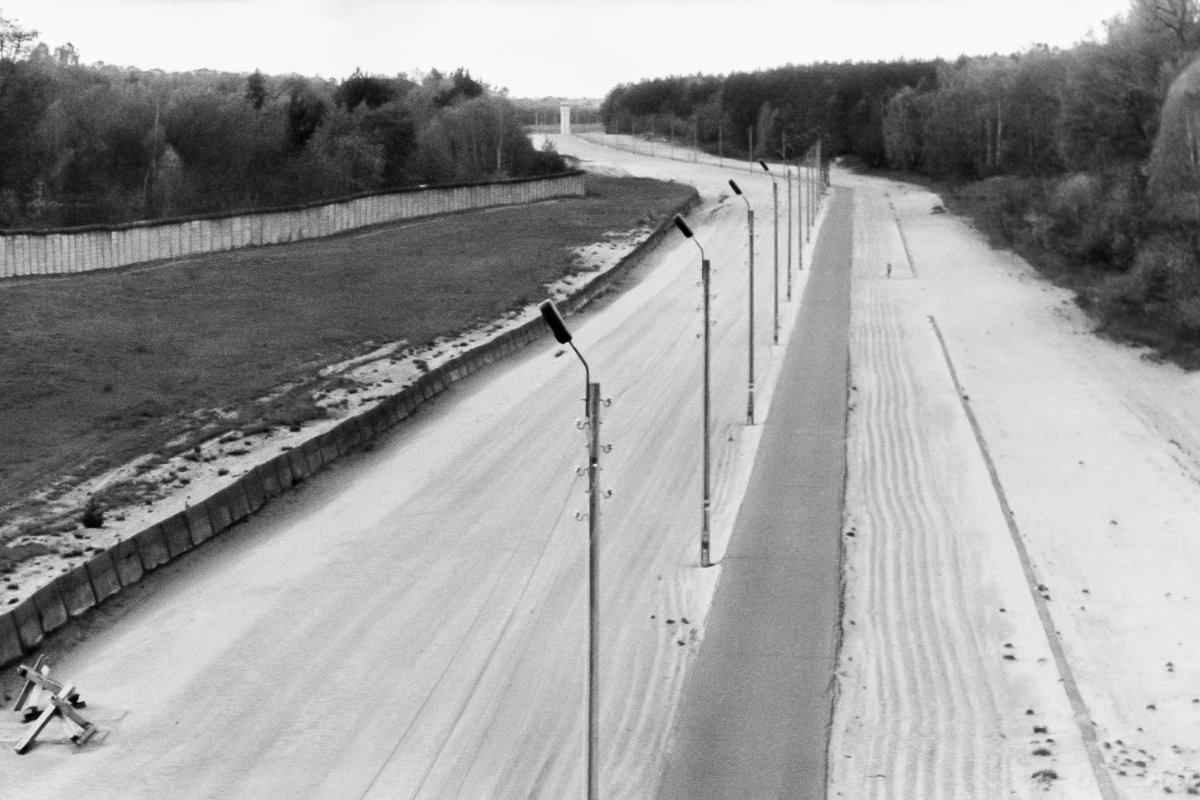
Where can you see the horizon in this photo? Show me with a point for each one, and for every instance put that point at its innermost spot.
(571, 49)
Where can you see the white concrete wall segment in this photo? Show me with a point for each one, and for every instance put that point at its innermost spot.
(10, 640)
(64, 251)
(76, 590)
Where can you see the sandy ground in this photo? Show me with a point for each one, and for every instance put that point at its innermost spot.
(413, 624)
(949, 686)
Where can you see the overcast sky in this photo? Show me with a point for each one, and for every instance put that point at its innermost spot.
(535, 48)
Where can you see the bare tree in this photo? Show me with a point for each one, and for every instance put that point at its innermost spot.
(1180, 17)
(15, 42)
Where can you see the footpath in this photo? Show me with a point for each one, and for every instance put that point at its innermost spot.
(755, 713)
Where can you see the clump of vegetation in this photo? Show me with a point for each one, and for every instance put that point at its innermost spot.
(93, 513)
(11, 555)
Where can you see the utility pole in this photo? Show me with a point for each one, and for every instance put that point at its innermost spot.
(592, 403)
(706, 509)
(750, 229)
(788, 167)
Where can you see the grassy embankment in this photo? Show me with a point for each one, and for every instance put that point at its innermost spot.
(103, 367)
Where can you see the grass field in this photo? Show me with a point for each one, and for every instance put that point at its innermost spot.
(103, 367)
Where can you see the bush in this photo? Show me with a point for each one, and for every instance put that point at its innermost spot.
(93, 514)
(1158, 301)
(1009, 202)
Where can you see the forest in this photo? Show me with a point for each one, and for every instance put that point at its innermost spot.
(777, 113)
(1085, 160)
(84, 145)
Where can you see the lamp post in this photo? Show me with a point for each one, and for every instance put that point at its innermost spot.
(788, 168)
(592, 402)
(707, 504)
(775, 196)
(750, 227)
(812, 197)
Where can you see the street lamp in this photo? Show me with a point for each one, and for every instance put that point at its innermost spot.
(707, 507)
(563, 336)
(812, 197)
(787, 167)
(775, 195)
(750, 226)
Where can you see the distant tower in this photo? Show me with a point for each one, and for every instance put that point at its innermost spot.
(564, 119)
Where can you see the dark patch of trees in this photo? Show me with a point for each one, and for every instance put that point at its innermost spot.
(787, 108)
(99, 144)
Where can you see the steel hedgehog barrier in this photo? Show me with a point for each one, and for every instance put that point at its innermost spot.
(85, 249)
(25, 626)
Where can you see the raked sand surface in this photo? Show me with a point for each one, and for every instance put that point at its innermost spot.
(948, 684)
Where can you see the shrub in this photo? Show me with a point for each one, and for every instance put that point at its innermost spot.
(93, 514)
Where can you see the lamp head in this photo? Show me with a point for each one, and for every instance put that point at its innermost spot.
(736, 189)
(555, 321)
(683, 226)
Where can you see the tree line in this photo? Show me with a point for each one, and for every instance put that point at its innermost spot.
(101, 144)
(1086, 160)
(775, 113)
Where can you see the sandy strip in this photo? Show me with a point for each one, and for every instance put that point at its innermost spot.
(942, 693)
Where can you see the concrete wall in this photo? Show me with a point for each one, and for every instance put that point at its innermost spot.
(23, 627)
(25, 253)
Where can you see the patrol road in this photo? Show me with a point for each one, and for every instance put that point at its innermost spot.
(756, 711)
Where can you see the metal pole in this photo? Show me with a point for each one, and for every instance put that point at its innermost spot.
(800, 208)
(591, 403)
(811, 198)
(820, 171)
(775, 197)
(704, 532)
(789, 232)
(750, 398)
(812, 189)
(750, 158)
(593, 766)
(704, 277)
